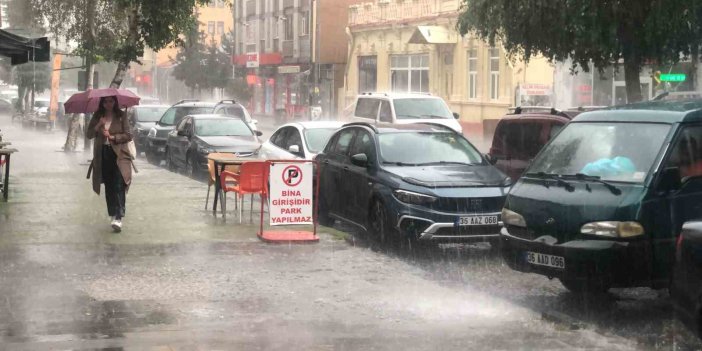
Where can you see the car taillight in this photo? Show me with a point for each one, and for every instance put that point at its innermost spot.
(678, 248)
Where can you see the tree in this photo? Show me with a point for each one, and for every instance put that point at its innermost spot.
(639, 32)
(123, 28)
(31, 77)
(190, 60)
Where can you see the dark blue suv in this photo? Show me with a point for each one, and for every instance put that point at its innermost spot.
(422, 181)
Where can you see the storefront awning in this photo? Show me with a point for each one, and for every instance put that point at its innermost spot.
(20, 49)
(433, 35)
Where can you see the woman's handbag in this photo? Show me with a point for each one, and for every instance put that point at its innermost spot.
(132, 149)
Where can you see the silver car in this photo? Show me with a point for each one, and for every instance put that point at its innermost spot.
(299, 140)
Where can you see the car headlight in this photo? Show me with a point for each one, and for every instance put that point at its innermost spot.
(513, 218)
(152, 132)
(409, 197)
(613, 229)
(205, 150)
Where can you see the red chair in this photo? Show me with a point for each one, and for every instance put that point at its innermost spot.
(251, 179)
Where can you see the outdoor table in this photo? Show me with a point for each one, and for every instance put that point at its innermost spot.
(220, 162)
(5, 158)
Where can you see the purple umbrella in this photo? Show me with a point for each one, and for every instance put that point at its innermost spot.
(88, 101)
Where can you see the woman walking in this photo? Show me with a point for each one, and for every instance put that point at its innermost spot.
(112, 162)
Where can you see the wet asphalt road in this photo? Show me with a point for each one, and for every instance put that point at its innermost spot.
(179, 278)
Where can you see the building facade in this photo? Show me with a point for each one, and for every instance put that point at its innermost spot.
(293, 53)
(413, 46)
(154, 77)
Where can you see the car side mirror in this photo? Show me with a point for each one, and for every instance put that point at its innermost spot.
(456, 115)
(491, 159)
(670, 179)
(294, 149)
(360, 160)
(259, 133)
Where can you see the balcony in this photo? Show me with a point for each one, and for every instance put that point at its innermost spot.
(390, 11)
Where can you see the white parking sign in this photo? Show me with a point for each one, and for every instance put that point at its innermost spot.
(291, 193)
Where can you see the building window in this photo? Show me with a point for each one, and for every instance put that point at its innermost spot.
(262, 48)
(409, 73)
(220, 3)
(305, 23)
(250, 48)
(220, 27)
(211, 27)
(288, 24)
(494, 73)
(472, 73)
(367, 73)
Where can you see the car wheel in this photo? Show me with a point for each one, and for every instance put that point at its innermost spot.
(191, 168)
(169, 161)
(151, 158)
(377, 221)
(589, 286)
(323, 213)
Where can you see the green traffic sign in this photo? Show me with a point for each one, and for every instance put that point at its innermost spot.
(675, 77)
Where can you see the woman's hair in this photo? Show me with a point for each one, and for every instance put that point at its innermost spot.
(115, 107)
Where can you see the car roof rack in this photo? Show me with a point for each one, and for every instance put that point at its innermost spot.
(227, 100)
(186, 100)
(550, 110)
(368, 93)
(361, 124)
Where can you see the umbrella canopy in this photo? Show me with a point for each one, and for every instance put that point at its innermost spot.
(89, 101)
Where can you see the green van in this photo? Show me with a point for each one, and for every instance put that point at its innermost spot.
(601, 205)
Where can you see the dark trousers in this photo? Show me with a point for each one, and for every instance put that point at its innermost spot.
(114, 183)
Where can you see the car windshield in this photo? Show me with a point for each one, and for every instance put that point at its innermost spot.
(418, 148)
(41, 103)
(149, 114)
(612, 151)
(316, 139)
(175, 114)
(222, 127)
(415, 108)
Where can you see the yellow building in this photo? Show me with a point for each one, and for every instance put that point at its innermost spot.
(400, 46)
(215, 19)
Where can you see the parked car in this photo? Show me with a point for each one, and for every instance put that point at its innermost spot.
(686, 289)
(397, 108)
(235, 109)
(299, 140)
(599, 205)
(198, 135)
(41, 107)
(422, 181)
(149, 100)
(6, 106)
(158, 134)
(519, 136)
(142, 119)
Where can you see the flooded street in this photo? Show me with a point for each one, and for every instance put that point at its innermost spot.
(179, 278)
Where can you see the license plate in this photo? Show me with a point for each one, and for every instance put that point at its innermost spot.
(545, 260)
(161, 149)
(477, 220)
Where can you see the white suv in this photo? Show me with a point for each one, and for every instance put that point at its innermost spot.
(396, 108)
